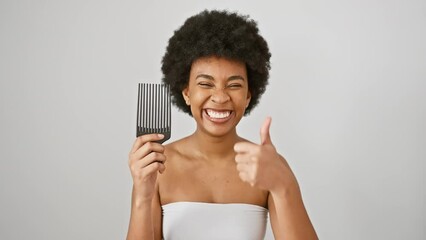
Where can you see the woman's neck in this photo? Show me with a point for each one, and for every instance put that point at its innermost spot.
(214, 148)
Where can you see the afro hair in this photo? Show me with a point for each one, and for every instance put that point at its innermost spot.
(221, 34)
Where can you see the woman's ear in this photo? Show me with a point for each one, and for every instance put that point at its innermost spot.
(248, 98)
(185, 94)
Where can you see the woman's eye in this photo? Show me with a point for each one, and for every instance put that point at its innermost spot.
(234, 86)
(205, 85)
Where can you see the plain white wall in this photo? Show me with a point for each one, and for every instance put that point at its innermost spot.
(347, 97)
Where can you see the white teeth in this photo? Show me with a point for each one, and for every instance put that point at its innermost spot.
(214, 114)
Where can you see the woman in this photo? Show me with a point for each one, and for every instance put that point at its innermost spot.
(213, 184)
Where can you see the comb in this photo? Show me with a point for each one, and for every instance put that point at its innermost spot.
(154, 110)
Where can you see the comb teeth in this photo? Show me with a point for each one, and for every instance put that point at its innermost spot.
(154, 110)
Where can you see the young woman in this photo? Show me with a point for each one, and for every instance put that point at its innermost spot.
(213, 184)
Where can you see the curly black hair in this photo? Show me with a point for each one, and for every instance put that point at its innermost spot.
(221, 34)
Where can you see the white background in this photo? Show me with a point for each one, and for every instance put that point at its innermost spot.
(346, 94)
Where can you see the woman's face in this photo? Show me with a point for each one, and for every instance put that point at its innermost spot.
(218, 94)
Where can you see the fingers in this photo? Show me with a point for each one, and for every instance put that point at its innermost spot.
(244, 176)
(152, 157)
(147, 155)
(146, 144)
(247, 177)
(148, 173)
(247, 167)
(244, 147)
(254, 161)
(146, 149)
(144, 139)
(246, 158)
(265, 137)
(147, 160)
(243, 167)
(154, 167)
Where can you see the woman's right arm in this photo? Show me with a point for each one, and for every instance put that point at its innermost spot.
(146, 159)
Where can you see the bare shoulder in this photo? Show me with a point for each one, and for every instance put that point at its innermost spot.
(175, 177)
(177, 155)
(176, 149)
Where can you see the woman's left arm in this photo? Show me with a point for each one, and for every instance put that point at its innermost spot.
(289, 218)
(262, 167)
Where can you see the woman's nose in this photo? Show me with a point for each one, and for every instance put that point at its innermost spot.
(219, 96)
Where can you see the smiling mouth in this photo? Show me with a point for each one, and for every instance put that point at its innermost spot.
(218, 114)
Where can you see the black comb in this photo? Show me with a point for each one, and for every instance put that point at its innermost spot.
(154, 110)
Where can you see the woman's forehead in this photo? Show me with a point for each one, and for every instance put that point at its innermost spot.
(217, 65)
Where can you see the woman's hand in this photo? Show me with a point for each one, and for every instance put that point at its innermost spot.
(146, 159)
(261, 166)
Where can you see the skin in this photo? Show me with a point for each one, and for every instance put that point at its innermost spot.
(214, 164)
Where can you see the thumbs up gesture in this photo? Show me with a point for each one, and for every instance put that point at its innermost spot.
(260, 165)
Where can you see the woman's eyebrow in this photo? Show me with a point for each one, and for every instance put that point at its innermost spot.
(236, 77)
(205, 76)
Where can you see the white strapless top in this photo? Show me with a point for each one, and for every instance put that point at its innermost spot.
(204, 221)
